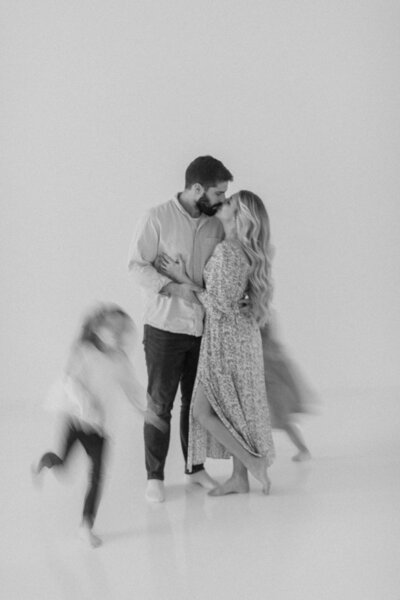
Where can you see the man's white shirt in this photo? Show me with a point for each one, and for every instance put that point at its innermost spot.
(169, 228)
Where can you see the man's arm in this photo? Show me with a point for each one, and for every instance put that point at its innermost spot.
(183, 290)
(175, 288)
(143, 263)
(142, 254)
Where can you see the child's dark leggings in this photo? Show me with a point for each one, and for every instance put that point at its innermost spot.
(93, 443)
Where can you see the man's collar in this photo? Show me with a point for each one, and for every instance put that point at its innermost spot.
(175, 199)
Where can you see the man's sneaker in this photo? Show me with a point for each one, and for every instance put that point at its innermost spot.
(155, 491)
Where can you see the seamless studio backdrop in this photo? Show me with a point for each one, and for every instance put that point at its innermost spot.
(105, 104)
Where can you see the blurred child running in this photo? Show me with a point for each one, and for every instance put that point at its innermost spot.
(97, 370)
(288, 393)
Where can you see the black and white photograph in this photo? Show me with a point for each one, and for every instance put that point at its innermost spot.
(200, 348)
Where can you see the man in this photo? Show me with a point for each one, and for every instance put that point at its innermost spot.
(182, 226)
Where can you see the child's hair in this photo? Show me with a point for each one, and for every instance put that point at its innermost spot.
(95, 319)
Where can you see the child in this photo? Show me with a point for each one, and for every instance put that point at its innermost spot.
(287, 393)
(98, 367)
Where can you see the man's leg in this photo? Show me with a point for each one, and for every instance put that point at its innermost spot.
(165, 355)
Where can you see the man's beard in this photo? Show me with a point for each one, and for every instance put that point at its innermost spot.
(204, 206)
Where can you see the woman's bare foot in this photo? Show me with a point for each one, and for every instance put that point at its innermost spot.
(234, 485)
(259, 471)
(203, 479)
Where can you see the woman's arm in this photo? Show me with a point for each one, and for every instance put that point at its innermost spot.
(175, 270)
(224, 277)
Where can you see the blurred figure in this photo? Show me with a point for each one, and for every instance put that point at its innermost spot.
(286, 391)
(97, 371)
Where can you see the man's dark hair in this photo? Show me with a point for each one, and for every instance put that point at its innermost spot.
(207, 171)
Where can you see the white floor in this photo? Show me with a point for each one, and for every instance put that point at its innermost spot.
(330, 529)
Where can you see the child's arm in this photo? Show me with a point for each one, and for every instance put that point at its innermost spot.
(136, 394)
(76, 370)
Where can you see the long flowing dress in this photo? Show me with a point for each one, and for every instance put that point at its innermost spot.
(230, 369)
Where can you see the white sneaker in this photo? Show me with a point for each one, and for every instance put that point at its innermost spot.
(202, 478)
(155, 491)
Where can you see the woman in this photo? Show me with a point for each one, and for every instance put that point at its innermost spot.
(229, 414)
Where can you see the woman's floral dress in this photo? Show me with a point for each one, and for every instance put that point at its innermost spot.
(230, 370)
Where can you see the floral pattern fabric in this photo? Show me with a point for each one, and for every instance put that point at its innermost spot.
(230, 370)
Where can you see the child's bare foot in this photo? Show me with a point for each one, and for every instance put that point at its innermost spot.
(37, 475)
(302, 456)
(234, 485)
(86, 535)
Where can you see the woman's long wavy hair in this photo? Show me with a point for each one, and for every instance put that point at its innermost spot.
(253, 230)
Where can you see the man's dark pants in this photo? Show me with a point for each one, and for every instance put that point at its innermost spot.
(171, 359)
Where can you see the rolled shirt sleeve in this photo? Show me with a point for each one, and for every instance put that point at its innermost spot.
(168, 228)
(143, 252)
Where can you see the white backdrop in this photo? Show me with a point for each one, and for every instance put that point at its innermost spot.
(104, 104)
